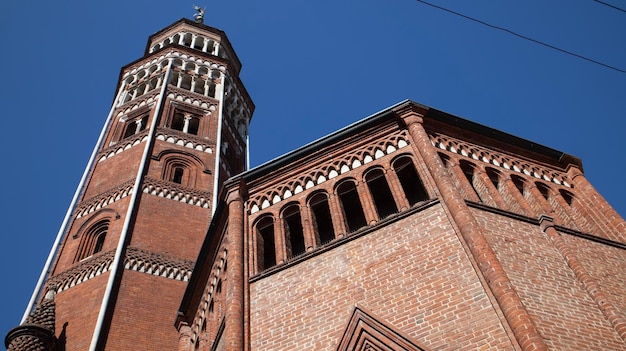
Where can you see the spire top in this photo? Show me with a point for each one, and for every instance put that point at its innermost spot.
(199, 15)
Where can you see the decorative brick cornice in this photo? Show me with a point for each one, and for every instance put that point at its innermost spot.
(104, 199)
(509, 162)
(184, 139)
(122, 146)
(189, 97)
(161, 265)
(321, 173)
(176, 192)
(85, 270)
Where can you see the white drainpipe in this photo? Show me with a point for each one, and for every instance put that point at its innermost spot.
(218, 145)
(133, 200)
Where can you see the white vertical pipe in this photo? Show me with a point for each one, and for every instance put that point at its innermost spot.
(68, 214)
(133, 200)
(218, 144)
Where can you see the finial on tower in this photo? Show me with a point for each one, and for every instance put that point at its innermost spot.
(199, 15)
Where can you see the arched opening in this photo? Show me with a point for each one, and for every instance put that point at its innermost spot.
(177, 176)
(199, 86)
(494, 177)
(185, 83)
(266, 249)
(199, 43)
(519, 183)
(409, 180)
(381, 193)
(92, 241)
(544, 190)
(469, 172)
(351, 206)
(567, 196)
(294, 233)
(322, 219)
(178, 122)
(187, 39)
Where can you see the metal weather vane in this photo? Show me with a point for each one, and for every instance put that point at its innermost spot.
(199, 15)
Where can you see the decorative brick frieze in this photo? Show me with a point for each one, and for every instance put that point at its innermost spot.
(187, 140)
(122, 146)
(176, 192)
(494, 158)
(207, 314)
(316, 176)
(103, 200)
(85, 270)
(161, 265)
(189, 97)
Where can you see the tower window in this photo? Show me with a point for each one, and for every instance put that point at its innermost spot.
(494, 177)
(322, 220)
(92, 241)
(544, 190)
(178, 175)
(567, 196)
(178, 122)
(519, 183)
(185, 123)
(381, 194)
(351, 206)
(294, 234)
(266, 250)
(410, 181)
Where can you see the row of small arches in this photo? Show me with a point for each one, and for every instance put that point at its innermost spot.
(194, 41)
(498, 161)
(309, 182)
(298, 227)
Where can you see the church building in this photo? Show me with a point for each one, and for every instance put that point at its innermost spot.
(411, 229)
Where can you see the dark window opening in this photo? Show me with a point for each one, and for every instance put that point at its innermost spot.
(494, 177)
(130, 130)
(351, 205)
(568, 197)
(322, 220)
(93, 240)
(381, 194)
(99, 243)
(468, 170)
(178, 122)
(519, 184)
(194, 124)
(178, 175)
(294, 234)
(410, 181)
(265, 244)
(544, 190)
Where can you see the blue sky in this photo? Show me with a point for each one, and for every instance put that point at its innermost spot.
(311, 68)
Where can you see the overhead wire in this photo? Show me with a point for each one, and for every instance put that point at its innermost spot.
(610, 5)
(524, 37)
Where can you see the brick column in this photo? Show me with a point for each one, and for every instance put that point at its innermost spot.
(310, 241)
(518, 197)
(396, 189)
(184, 337)
(511, 305)
(605, 216)
(367, 203)
(492, 191)
(234, 332)
(336, 213)
(580, 221)
(613, 314)
(280, 244)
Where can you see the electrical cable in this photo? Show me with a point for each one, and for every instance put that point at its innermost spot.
(610, 5)
(524, 37)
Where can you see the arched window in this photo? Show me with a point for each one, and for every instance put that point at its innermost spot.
(494, 177)
(177, 177)
(322, 219)
(135, 126)
(92, 241)
(519, 183)
(381, 194)
(351, 206)
(410, 181)
(266, 249)
(544, 190)
(294, 233)
(567, 196)
(469, 171)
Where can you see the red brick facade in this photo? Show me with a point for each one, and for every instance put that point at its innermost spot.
(409, 230)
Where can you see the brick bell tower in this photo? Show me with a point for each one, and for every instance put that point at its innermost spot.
(178, 127)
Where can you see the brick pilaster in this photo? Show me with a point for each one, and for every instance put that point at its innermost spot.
(234, 331)
(511, 305)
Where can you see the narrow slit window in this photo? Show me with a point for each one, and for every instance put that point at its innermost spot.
(468, 171)
(294, 233)
(351, 206)
(265, 244)
(410, 181)
(177, 177)
(322, 219)
(381, 193)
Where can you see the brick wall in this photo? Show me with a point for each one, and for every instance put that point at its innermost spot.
(413, 274)
(564, 313)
